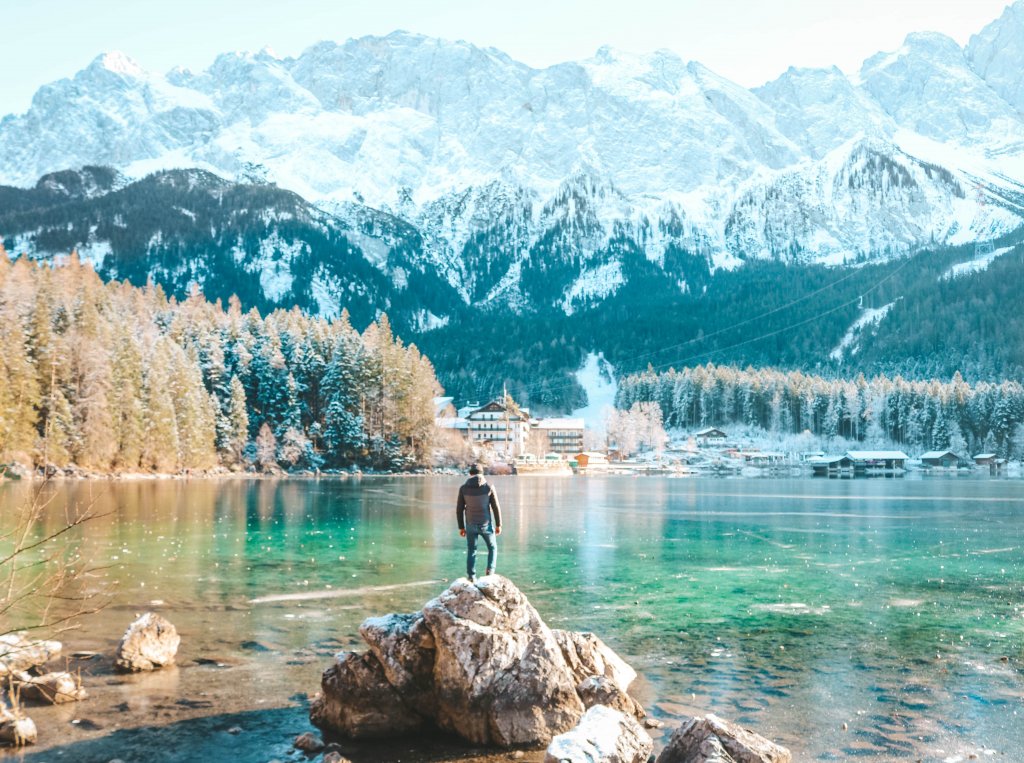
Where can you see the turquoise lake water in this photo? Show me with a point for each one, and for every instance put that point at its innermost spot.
(868, 619)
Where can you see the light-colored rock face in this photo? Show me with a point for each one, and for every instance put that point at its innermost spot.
(587, 655)
(499, 674)
(57, 688)
(928, 87)
(603, 736)
(19, 653)
(599, 690)
(150, 642)
(996, 53)
(404, 647)
(711, 739)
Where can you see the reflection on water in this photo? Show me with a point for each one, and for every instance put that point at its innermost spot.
(794, 606)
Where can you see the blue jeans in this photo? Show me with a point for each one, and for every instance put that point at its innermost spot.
(485, 531)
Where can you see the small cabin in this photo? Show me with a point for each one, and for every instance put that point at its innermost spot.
(991, 460)
(762, 458)
(710, 435)
(878, 460)
(824, 465)
(590, 459)
(940, 459)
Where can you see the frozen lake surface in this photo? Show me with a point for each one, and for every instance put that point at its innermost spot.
(847, 619)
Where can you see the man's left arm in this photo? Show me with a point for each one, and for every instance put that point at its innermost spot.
(496, 510)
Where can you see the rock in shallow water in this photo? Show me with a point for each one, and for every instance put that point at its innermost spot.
(150, 642)
(600, 690)
(603, 736)
(19, 653)
(714, 740)
(16, 729)
(308, 743)
(477, 661)
(56, 688)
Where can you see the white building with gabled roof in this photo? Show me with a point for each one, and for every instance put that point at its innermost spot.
(565, 435)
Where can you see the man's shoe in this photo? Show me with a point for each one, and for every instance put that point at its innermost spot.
(489, 572)
(471, 578)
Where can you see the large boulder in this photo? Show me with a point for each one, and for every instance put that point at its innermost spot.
(713, 740)
(499, 674)
(19, 653)
(603, 736)
(150, 642)
(356, 700)
(478, 661)
(56, 688)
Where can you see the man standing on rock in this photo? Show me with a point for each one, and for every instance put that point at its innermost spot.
(477, 502)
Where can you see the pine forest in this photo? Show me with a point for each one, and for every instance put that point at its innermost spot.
(920, 415)
(110, 377)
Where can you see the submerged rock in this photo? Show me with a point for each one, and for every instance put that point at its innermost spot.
(56, 688)
(150, 642)
(19, 653)
(478, 661)
(308, 743)
(713, 740)
(335, 757)
(603, 736)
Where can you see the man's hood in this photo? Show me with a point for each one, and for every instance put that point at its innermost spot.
(476, 480)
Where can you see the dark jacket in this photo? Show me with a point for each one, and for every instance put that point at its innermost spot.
(477, 500)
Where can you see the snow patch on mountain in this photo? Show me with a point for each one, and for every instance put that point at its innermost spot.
(869, 318)
(273, 263)
(594, 284)
(975, 265)
(94, 252)
(325, 293)
(597, 377)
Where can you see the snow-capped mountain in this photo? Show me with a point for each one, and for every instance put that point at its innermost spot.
(522, 187)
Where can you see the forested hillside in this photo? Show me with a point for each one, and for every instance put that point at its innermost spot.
(762, 314)
(934, 312)
(921, 415)
(112, 377)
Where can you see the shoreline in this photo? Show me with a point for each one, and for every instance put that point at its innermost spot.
(78, 475)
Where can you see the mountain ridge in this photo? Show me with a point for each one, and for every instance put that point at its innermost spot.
(407, 123)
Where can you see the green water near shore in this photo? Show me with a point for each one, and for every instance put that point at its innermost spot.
(894, 607)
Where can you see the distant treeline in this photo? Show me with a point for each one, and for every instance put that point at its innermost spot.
(922, 415)
(112, 377)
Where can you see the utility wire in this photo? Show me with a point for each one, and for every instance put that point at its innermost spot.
(708, 353)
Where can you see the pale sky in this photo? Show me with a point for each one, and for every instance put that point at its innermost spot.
(748, 41)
